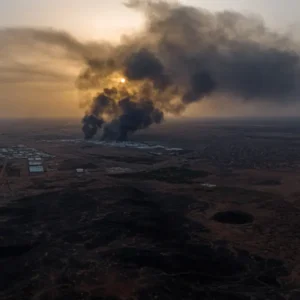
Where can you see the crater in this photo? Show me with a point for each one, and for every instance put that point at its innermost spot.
(233, 217)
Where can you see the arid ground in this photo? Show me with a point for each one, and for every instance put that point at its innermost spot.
(218, 218)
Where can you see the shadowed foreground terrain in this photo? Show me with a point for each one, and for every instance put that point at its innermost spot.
(126, 243)
(183, 227)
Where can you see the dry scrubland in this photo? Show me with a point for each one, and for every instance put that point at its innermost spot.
(217, 220)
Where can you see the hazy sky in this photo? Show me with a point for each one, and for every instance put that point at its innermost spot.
(106, 19)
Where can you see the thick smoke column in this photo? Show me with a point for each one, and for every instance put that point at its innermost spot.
(183, 55)
(136, 115)
(120, 116)
(90, 126)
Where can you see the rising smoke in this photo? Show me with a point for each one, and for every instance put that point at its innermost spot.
(183, 55)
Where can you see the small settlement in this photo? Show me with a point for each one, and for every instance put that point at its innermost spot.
(21, 160)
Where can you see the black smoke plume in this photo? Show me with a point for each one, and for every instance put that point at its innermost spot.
(126, 115)
(90, 126)
(136, 115)
(183, 55)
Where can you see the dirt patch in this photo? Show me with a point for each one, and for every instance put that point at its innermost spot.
(170, 175)
(134, 159)
(71, 164)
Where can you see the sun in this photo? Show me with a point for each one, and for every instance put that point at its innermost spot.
(122, 80)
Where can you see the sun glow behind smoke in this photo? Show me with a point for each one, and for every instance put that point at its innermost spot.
(184, 56)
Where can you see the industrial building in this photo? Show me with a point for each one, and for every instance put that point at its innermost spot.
(36, 169)
(35, 165)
